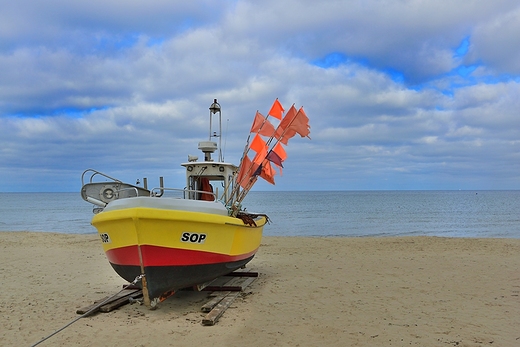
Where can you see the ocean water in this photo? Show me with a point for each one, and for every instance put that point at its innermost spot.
(325, 213)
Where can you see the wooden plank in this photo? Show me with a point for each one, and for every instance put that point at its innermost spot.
(95, 307)
(216, 284)
(224, 294)
(237, 284)
(247, 282)
(243, 274)
(121, 301)
(85, 309)
(214, 315)
(223, 299)
(201, 287)
(207, 307)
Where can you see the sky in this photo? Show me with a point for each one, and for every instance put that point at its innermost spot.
(401, 95)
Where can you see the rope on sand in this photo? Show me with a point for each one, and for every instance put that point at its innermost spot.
(88, 312)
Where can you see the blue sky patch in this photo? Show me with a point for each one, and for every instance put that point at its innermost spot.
(463, 48)
(465, 71)
(395, 75)
(331, 60)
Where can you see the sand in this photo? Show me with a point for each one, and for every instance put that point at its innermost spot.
(409, 291)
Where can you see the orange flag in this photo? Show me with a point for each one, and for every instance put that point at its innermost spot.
(294, 122)
(258, 144)
(301, 123)
(268, 172)
(284, 126)
(246, 171)
(260, 156)
(257, 123)
(244, 166)
(262, 126)
(276, 110)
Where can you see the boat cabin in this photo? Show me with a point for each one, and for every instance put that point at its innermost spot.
(209, 180)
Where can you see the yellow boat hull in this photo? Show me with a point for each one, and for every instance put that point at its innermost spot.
(175, 249)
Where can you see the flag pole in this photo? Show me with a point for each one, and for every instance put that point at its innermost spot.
(237, 186)
(252, 179)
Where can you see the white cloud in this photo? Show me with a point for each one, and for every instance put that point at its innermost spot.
(126, 87)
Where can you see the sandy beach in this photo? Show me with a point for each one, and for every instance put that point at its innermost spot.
(418, 291)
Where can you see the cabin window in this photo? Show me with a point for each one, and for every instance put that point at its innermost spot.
(206, 187)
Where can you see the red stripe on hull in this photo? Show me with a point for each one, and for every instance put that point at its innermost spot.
(164, 256)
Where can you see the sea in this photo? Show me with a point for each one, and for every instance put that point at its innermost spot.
(475, 214)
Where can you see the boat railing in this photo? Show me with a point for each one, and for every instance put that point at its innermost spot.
(95, 173)
(159, 191)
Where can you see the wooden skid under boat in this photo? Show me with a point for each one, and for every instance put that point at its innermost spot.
(223, 291)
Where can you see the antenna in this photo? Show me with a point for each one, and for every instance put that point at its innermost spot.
(213, 109)
(225, 138)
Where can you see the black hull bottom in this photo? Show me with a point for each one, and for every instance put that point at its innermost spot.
(162, 281)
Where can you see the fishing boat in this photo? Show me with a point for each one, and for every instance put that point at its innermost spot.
(165, 239)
